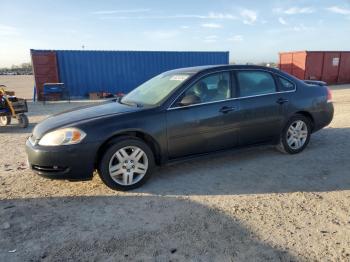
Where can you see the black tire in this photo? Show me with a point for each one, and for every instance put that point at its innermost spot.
(283, 145)
(5, 120)
(23, 120)
(114, 146)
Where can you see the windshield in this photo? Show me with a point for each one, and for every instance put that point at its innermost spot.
(155, 90)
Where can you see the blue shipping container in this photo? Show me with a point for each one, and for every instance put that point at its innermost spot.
(83, 72)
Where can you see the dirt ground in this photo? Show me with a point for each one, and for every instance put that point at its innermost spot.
(251, 205)
(22, 84)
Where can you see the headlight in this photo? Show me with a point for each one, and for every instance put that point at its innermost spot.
(65, 136)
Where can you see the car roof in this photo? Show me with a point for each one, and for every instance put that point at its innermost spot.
(197, 69)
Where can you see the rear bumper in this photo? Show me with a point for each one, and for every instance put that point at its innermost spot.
(75, 162)
(324, 117)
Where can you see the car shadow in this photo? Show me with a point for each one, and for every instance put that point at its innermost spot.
(323, 166)
(132, 228)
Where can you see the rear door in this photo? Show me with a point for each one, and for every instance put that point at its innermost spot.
(261, 106)
(209, 125)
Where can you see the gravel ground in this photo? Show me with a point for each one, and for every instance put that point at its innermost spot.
(22, 84)
(251, 205)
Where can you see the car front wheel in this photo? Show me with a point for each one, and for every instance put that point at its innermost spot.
(126, 164)
(296, 135)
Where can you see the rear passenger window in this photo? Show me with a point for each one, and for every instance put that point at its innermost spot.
(255, 83)
(285, 84)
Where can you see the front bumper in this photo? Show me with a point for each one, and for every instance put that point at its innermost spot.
(73, 162)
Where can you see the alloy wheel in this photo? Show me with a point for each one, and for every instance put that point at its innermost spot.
(297, 134)
(128, 165)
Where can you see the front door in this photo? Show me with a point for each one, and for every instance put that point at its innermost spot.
(208, 125)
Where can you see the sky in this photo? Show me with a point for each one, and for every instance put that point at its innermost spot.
(253, 31)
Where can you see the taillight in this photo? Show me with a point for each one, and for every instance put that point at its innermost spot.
(329, 95)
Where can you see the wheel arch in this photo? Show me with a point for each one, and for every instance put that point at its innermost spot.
(148, 139)
(309, 116)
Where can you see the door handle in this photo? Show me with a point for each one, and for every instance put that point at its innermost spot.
(227, 109)
(281, 101)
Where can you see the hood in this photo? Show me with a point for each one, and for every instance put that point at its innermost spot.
(80, 114)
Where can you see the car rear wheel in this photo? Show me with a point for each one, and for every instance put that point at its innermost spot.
(127, 164)
(5, 120)
(296, 135)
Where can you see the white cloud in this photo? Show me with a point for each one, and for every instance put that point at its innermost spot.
(298, 10)
(6, 30)
(339, 10)
(236, 38)
(70, 31)
(296, 28)
(294, 10)
(184, 27)
(125, 11)
(249, 17)
(301, 27)
(282, 21)
(150, 17)
(226, 16)
(161, 34)
(211, 15)
(210, 38)
(211, 25)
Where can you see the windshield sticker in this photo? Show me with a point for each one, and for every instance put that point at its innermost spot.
(179, 77)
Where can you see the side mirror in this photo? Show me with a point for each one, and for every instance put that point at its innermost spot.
(189, 100)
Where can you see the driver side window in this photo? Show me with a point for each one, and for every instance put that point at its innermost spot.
(211, 88)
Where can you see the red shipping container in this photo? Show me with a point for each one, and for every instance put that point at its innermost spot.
(45, 69)
(344, 70)
(332, 67)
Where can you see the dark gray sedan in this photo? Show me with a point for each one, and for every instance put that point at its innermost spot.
(180, 114)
